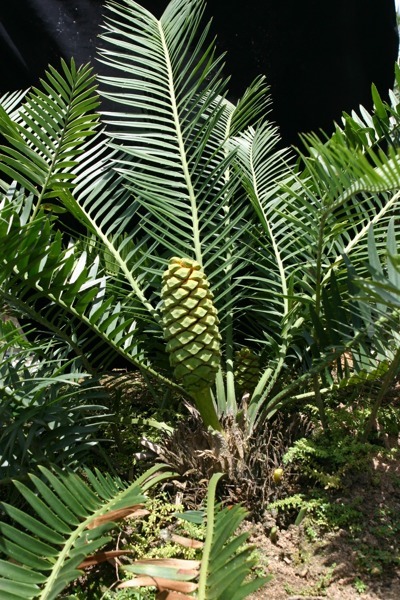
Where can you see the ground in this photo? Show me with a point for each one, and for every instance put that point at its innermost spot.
(346, 544)
(358, 561)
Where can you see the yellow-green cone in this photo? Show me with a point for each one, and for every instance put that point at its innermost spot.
(247, 370)
(190, 324)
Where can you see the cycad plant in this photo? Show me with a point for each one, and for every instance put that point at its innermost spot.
(198, 237)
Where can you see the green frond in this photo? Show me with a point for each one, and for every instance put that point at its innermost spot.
(11, 102)
(44, 552)
(378, 128)
(44, 139)
(251, 109)
(309, 223)
(383, 285)
(75, 292)
(173, 132)
(264, 172)
(227, 560)
(48, 414)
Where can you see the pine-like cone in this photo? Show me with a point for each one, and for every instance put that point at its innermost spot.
(190, 324)
(247, 370)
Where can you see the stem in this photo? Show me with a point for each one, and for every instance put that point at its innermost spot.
(318, 274)
(320, 404)
(265, 385)
(318, 279)
(220, 395)
(205, 561)
(390, 375)
(206, 408)
(181, 149)
(230, 398)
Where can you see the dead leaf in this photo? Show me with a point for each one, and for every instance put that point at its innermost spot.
(100, 557)
(178, 563)
(161, 583)
(121, 513)
(185, 541)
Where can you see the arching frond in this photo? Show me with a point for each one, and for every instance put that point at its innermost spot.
(45, 138)
(173, 130)
(71, 519)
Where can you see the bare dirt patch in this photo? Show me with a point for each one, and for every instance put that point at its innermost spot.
(360, 561)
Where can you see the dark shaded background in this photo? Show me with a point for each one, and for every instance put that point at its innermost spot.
(320, 56)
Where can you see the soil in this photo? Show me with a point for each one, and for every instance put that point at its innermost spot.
(344, 564)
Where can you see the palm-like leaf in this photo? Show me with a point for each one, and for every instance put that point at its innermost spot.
(47, 413)
(308, 225)
(36, 266)
(226, 561)
(385, 283)
(351, 191)
(11, 102)
(45, 557)
(171, 188)
(383, 288)
(179, 169)
(173, 132)
(376, 129)
(45, 139)
(70, 521)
